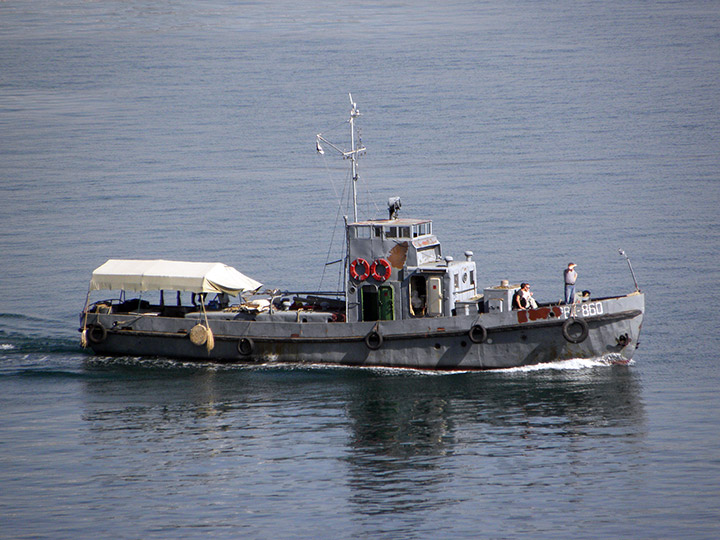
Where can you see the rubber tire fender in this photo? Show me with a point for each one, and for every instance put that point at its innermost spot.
(245, 346)
(584, 331)
(477, 333)
(374, 340)
(96, 333)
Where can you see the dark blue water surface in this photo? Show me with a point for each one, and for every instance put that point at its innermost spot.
(533, 133)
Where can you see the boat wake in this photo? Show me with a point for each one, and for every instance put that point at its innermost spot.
(573, 364)
(23, 334)
(15, 344)
(168, 363)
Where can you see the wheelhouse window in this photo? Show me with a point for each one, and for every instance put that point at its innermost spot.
(397, 232)
(428, 254)
(362, 231)
(421, 229)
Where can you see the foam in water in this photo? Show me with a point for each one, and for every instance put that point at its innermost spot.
(568, 365)
(560, 365)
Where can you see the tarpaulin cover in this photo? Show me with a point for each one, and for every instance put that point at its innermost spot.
(152, 275)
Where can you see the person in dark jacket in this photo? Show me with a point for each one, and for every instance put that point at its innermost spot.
(520, 298)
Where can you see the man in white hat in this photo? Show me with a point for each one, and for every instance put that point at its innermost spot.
(570, 278)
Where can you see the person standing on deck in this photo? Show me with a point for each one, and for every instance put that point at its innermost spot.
(530, 302)
(570, 277)
(519, 301)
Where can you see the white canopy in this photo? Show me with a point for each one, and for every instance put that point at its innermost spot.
(152, 275)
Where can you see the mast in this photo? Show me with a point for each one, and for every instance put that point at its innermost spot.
(354, 113)
(352, 154)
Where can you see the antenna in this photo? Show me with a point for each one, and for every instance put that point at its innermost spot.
(622, 253)
(352, 154)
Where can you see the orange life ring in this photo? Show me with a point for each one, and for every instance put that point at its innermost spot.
(380, 270)
(362, 273)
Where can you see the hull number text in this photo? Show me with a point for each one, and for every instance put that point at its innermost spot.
(583, 310)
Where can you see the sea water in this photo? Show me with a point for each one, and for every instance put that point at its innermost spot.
(532, 133)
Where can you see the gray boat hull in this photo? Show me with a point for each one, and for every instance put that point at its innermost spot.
(603, 328)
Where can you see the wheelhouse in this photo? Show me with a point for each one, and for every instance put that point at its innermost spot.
(396, 270)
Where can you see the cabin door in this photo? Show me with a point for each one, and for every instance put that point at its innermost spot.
(418, 296)
(434, 296)
(377, 304)
(369, 303)
(387, 303)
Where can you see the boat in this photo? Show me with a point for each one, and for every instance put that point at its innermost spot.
(404, 304)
